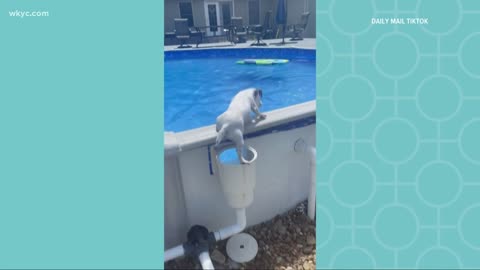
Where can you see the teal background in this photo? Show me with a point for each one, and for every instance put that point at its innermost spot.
(398, 126)
(81, 132)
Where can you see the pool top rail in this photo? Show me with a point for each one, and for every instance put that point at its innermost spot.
(290, 117)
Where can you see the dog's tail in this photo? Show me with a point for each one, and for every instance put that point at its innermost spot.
(221, 134)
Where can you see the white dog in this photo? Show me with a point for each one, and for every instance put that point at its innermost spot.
(231, 123)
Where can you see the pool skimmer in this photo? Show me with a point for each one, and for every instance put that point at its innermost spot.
(242, 248)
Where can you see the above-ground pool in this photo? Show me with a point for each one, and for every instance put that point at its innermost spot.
(199, 84)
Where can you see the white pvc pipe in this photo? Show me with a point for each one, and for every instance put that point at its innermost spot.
(312, 153)
(302, 147)
(205, 260)
(226, 232)
(173, 253)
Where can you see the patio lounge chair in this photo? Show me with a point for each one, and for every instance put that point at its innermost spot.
(182, 32)
(239, 31)
(197, 35)
(297, 29)
(263, 31)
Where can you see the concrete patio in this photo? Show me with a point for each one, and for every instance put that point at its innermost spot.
(306, 43)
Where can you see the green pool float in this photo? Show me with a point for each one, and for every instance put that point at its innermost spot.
(262, 61)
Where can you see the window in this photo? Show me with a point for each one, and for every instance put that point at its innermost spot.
(254, 12)
(226, 15)
(186, 12)
(212, 17)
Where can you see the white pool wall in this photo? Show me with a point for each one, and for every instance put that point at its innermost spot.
(194, 196)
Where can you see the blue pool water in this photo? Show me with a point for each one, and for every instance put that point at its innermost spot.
(199, 85)
(229, 156)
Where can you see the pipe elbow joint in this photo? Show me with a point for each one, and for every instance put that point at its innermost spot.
(242, 224)
(241, 219)
(238, 227)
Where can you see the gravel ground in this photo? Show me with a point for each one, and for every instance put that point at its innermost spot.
(284, 242)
